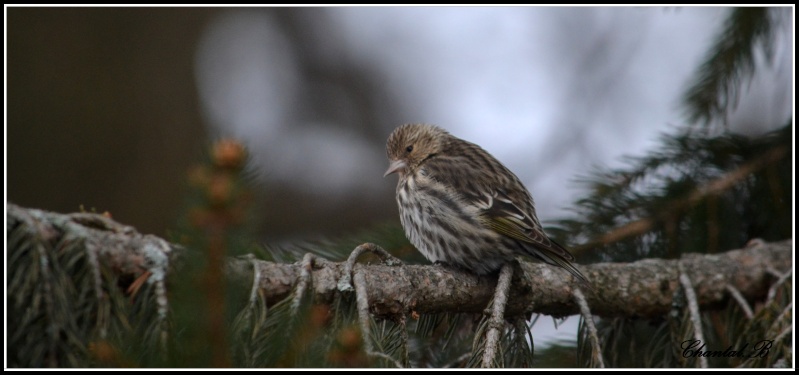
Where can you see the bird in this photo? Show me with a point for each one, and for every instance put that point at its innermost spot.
(461, 207)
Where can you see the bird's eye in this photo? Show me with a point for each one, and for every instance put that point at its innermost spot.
(409, 148)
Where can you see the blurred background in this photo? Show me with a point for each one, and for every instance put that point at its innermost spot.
(108, 108)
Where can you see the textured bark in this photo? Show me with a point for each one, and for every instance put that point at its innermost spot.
(638, 289)
(118, 246)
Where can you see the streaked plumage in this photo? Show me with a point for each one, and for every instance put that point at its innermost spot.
(460, 206)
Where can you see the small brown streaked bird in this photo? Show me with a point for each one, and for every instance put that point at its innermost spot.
(460, 206)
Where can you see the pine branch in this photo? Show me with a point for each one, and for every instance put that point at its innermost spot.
(697, 195)
(58, 316)
(588, 321)
(496, 323)
(693, 310)
(640, 289)
(731, 62)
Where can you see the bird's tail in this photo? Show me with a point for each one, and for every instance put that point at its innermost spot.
(557, 255)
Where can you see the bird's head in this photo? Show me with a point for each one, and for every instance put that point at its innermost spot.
(410, 145)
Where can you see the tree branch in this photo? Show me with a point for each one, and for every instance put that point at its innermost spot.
(715, 187)
(639, 289)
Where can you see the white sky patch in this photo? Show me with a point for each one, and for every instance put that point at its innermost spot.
(245, 75)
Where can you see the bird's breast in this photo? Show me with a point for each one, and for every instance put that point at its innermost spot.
(441, 224)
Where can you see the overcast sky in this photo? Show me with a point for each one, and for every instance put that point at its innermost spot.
(551, 92)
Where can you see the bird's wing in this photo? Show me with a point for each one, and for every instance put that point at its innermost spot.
(505, 211)
(505, 217)
(502, 215)
(509, 213)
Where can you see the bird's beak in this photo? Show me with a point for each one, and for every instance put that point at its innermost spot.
(395, 166)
